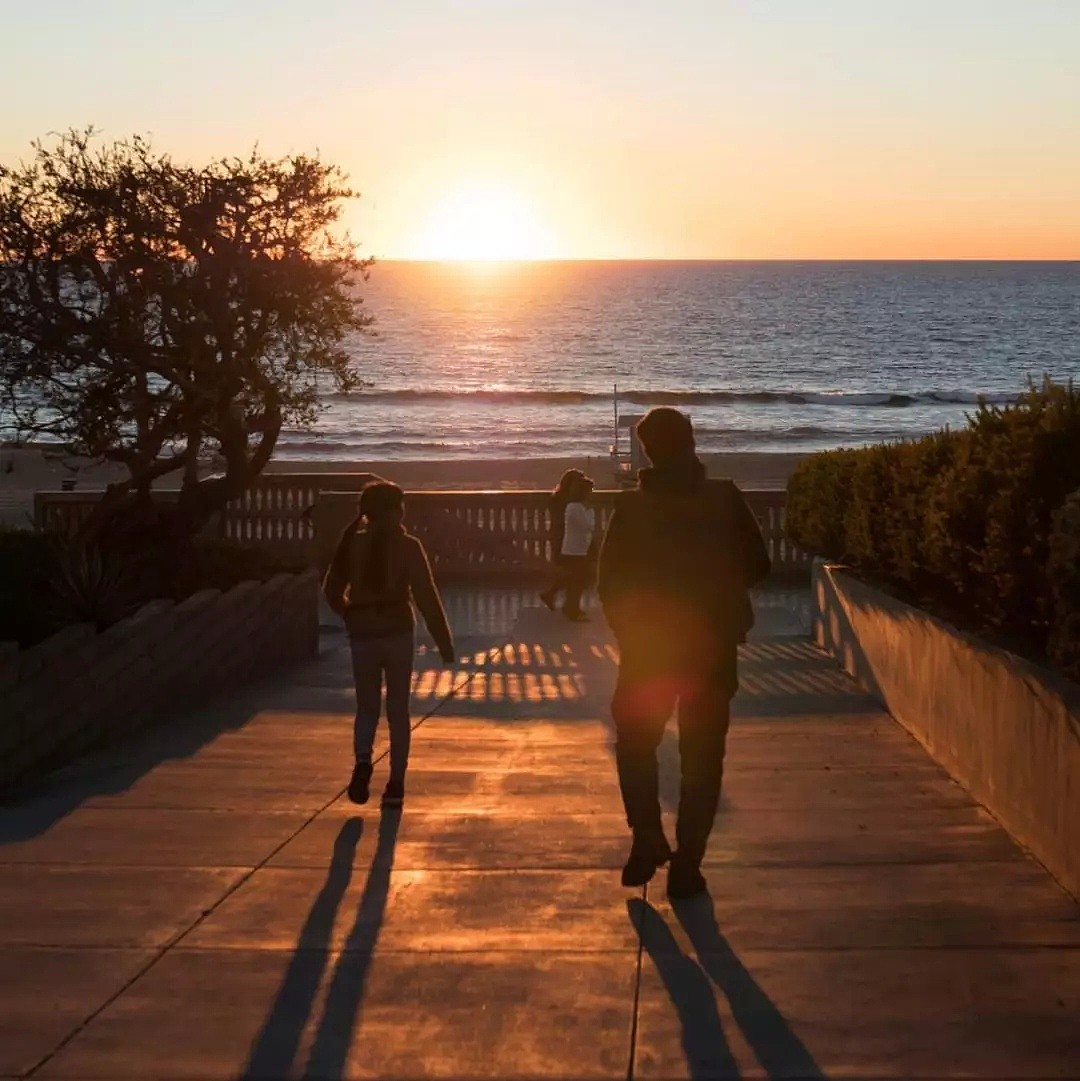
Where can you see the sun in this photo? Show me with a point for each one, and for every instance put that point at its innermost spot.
(483, 223)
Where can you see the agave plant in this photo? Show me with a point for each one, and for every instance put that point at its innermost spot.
(89, 585)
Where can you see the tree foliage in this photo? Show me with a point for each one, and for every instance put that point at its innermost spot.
(156, 314)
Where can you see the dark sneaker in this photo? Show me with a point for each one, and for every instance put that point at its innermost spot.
(360, 785)
(576, 617)
(547, 599)
(685, 880)
(646, 854)
(394, 794)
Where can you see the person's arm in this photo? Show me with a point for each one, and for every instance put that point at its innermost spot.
(750, 544)
(335, 586)
(594, 538)
(426, 595)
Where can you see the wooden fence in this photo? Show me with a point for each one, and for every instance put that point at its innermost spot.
(481, 536)
(277, 512)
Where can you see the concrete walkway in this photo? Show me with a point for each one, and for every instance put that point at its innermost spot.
(203, 903)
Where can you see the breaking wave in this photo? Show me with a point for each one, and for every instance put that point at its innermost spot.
(682, 397)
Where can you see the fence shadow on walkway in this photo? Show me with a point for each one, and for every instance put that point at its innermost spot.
(690, 982)
(274, 1050)
(555, 675)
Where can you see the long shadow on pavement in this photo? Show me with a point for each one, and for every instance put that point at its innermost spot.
(687, 981)
(275, 1047)
(274, 1050)
(703, 1041)
(330, 1049)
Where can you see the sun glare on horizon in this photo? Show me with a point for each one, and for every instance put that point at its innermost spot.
(483, 224)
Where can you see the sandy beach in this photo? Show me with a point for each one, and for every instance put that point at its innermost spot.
(749, 470)
(24, 471)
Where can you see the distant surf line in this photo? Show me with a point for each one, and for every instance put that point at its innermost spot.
(682, 397)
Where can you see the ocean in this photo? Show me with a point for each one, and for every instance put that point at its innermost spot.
(519, 360)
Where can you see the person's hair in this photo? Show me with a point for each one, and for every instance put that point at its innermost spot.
(666, 435)
(379, 503)
(567, 486)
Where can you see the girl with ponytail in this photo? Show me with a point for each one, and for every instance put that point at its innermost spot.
(376, 575)
(573, 534)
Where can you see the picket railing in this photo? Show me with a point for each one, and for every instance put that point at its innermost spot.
(506, 535)
(277, 511)
(274, 513)
(482, 536)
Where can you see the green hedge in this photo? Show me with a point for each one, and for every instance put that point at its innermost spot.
(976, 525)
(1064, 644)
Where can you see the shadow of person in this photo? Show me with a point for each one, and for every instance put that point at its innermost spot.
(704, 1043)
(273, 1050)
(779, 1050)
(330, 1047)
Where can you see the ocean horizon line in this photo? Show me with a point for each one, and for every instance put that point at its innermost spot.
(383, 260)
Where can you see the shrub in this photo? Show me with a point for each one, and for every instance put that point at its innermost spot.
(87, 585)
(1033, 454)
(25, 571)
(48, 582)
(817, 500)
(866, 536)
(919, 467)
(1063, 569)
(963, 521)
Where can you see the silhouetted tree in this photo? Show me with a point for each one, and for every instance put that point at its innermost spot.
(154, 313)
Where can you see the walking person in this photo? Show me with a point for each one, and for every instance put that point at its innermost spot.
(377, 572)
(680, 554)
(573, 544)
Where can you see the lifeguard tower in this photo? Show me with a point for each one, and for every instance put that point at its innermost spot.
(627, 453)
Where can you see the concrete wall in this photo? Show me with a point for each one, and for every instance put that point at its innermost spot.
(1006, 729)
(79, 689)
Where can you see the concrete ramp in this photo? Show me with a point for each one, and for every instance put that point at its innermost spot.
(205, 903)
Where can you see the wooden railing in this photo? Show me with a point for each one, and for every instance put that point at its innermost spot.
(482, 536)
(277, 512)
(505, 536)
(63, 513)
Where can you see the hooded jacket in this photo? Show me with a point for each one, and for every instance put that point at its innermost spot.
(680, 554)
(373, 614)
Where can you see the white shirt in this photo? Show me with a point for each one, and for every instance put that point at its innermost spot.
(580, 525)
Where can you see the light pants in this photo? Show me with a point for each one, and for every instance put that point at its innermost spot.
(376, 660)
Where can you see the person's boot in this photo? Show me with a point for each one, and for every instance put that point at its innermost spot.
(685, 878)
(647, 852)
(359, 790)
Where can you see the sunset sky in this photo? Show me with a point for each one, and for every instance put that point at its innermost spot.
(602, 128)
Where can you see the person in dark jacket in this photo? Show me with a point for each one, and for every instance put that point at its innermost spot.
(377, 572)
(680, 554)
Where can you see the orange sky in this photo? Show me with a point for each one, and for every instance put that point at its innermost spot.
(597, 129)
